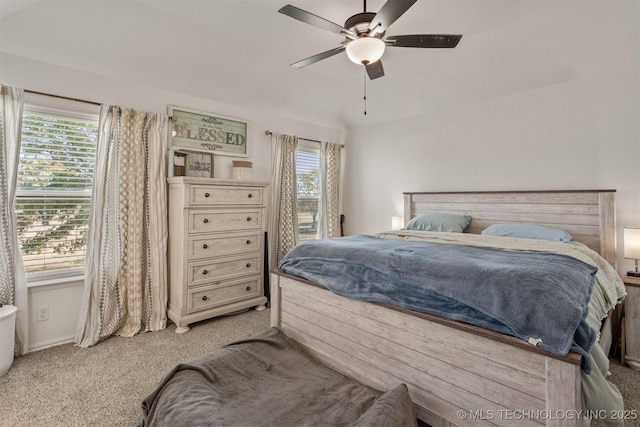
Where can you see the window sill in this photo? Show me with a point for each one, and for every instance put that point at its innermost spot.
(66, 280)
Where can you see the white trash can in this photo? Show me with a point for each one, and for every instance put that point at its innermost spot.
(7, 336)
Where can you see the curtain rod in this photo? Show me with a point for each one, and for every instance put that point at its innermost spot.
(268, 132)
(63, 97)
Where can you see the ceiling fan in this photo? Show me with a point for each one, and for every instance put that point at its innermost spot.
(364, 32)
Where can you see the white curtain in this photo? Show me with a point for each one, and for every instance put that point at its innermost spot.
(13, 284)
(283, 221)
(330, 190)
(125, 272)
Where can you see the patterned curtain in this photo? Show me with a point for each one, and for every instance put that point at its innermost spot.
(125, 273)
(13, 284)
(283, 222)
(330, 193)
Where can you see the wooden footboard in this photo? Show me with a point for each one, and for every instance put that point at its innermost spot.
(456, 374)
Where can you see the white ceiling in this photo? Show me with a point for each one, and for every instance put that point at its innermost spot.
(239, 51)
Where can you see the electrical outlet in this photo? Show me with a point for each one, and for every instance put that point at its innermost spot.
(42, 313)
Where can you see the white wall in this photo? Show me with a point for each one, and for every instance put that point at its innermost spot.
(63, 303)
(580, 133)
(64, 299)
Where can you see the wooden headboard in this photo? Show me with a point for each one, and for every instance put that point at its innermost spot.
(588, 215)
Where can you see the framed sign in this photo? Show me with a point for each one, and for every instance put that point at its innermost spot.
(206, 132)
(199, 164)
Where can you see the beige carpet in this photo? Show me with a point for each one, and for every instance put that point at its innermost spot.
(628, 382)
(104, 385)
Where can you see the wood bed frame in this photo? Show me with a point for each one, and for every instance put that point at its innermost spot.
(457, 374)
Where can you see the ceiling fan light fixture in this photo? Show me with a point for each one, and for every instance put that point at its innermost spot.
(365, 50)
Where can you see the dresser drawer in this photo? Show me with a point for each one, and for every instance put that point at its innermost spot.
(223, 268)
(208, 245)
(209, 296)
(202, 221)
(204, 195)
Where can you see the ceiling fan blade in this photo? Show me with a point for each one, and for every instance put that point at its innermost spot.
(318, 57)
(375, 70)
(388, 14)
(316, 21)
(424, 40)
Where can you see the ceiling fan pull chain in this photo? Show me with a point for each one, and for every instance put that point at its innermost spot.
(365, 92)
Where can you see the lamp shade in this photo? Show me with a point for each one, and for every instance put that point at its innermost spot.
(365, 50)
(397, 222)
(632, 243)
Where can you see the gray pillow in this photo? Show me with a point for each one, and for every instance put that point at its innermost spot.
(437, 221)
(528, 231)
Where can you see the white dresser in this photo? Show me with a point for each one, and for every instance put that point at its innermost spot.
(216, 249)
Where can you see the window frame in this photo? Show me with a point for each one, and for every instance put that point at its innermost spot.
(37, 104)
(305, 145)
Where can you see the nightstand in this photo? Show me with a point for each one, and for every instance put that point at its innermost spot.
(631, 323)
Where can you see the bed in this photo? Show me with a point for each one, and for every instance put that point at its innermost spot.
(457, 373)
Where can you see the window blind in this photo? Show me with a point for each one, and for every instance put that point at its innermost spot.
(308, 188)
(308, 172)
(53, 196)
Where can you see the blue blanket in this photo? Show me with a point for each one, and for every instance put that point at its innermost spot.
(539, 297)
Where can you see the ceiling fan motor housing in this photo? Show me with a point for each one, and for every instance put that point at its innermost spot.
(359, 24)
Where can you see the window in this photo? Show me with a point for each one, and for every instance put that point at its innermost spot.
(308, 184)
(53, 196)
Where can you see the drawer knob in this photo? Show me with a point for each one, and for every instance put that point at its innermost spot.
(204, 272)
(250, 195)
(248, 218)
(204, 298)
(248, 264)
(205, 246)
(248, 288)
(206, 194)
(206, 220)
(248, 242)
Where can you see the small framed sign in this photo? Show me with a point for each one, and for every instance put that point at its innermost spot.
(207, 132)
(199, 164)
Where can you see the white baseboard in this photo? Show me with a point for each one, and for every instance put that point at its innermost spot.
(51, 343)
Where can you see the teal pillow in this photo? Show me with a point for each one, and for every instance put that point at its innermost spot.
(528, 231)
(439, 222)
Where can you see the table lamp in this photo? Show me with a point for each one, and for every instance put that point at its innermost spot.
(397, 222)
(632, 247)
